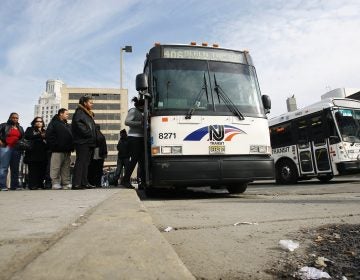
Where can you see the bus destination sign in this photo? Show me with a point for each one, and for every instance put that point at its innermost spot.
(204, 54)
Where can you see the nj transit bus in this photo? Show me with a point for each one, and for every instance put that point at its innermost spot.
(206, 119)
(321, 140)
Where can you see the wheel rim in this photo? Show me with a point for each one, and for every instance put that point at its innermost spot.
(285, 172)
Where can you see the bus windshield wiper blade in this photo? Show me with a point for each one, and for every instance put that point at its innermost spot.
(197, 99)
(227, 101)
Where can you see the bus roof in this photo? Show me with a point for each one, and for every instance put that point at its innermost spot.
(197, 52)
(316, 107)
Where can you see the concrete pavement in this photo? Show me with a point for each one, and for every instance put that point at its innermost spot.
(87, 234)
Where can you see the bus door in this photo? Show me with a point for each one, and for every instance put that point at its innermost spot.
(304, 147)
(319, 145)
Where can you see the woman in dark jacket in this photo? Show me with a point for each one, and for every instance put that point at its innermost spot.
(84, 134)
(10, 133)
(36, 158)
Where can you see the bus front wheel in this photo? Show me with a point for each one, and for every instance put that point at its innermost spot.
(286, 173)
(240, 188)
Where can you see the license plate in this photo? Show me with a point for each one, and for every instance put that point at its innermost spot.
(216, 149)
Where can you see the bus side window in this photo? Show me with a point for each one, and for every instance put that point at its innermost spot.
(317, 130)
(302, 133)
(281, 135)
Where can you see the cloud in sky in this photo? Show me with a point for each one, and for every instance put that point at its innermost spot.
(299, 47)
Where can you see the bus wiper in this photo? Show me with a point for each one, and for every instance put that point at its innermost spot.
(227, 101)
(197, 99)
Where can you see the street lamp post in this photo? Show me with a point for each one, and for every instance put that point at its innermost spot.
(126, 49)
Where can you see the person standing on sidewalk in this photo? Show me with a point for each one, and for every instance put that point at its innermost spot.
(60, 141)
(84, 133)
(135, 121)
(123, 156)
(36, 157)
(10, 133)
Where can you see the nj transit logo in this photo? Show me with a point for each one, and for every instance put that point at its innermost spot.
(216, 133)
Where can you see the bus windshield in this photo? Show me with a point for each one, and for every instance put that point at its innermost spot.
(179, 85)
(348, 121)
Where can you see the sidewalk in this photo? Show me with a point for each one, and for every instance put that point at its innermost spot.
(114, 240)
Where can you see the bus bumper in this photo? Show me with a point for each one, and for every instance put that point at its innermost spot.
(348, 167)
(206, 171)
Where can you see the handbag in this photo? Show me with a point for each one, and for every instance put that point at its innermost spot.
(23, 145)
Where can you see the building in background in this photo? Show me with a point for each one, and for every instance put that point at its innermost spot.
(110, 109)
(49, 101)
(353, 93)
(291, 104)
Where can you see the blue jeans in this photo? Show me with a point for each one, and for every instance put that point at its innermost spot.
(9, 157)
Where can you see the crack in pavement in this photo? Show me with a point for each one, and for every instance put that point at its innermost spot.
(161, 228)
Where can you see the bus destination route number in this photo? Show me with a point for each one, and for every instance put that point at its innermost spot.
(217, 149)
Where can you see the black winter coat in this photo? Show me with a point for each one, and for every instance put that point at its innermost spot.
(83, 128)
(39, 147)
(101, 143)
(59, 136)
(5, 128)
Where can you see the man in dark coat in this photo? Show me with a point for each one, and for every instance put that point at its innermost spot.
(60, 140)
(84, 133)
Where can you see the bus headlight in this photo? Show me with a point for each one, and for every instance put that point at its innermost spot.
(260, 149)
(171, 150)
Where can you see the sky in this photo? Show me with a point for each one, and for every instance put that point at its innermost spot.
(302, 48)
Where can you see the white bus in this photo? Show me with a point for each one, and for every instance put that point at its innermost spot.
(321, 140)
(207, 123)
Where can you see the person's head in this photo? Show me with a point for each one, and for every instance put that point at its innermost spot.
(63, 114)
(123, 133)
(14, 118)
(86, 101)
(138, 103)
(37, 122)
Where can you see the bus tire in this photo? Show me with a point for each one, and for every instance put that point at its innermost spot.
(286, 172)
(151, 191)
(239, 188)
(326, 178)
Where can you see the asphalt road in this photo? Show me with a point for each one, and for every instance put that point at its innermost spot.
(205, 236)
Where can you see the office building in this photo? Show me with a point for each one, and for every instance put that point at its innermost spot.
(49, 101)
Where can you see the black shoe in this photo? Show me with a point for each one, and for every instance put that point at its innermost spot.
(89, 186)
(77, 187)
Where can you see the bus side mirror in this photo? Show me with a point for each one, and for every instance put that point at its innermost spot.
(266, 102)
(141, 82)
